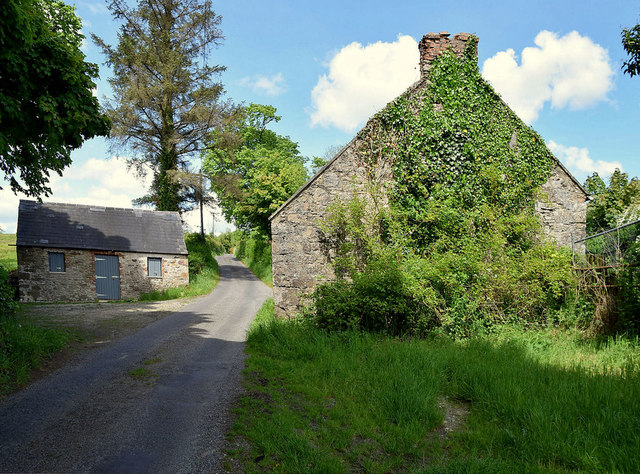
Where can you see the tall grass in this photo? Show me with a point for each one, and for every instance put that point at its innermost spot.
(23, 347)
(255, 251)
(340, 402)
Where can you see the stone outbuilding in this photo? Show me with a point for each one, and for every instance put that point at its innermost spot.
(299, 260)
(72, 252)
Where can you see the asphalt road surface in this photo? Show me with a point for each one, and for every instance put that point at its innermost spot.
(156, 401)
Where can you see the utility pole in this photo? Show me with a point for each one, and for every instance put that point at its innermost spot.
(200, 194)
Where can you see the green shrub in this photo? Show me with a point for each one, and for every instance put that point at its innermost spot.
(378, 299)
(479, 269)
(228, 240)
(201, 252)
(629, 300)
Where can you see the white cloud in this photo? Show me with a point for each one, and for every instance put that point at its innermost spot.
(569, 71)
(95, 8)
(580, 163)
(271, 86)
(99, 182)
(361, 80)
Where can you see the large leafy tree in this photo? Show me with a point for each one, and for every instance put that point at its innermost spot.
(167, 99)
(253, 170)
(614, 204)
(631, 44)
(47, 107)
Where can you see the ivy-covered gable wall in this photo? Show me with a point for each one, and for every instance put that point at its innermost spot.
(450, 137)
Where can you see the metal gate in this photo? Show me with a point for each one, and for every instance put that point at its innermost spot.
(107, 277)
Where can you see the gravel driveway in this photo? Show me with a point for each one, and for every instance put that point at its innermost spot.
(154, 401)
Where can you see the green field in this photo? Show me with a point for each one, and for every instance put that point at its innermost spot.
(8, 253)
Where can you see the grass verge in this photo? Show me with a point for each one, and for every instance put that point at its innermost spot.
(201, 284)
(515, 401)
(23, 347)
(255, 252)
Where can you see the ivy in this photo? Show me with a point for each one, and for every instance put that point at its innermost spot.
(456, 140)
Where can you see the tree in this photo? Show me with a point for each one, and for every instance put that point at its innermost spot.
(47, 107)
(631, 44)
(196, 186)
(612, 205)
(167, 99)
(318, 162)
(253, 170)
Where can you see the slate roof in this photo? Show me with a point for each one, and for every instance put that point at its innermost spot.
(77, 226)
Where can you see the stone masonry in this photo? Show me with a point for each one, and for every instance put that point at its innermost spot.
(299, 262)
(77, 282)
(563, 209)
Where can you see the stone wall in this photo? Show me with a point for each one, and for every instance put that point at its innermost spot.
(299, 261)
(78, 282)
(562, 208)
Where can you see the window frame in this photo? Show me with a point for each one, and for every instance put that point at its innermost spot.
(154, 259)
(52, 268)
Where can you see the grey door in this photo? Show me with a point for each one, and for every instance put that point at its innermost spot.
(107, 277)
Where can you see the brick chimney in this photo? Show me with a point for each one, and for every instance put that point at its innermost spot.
(433, 45)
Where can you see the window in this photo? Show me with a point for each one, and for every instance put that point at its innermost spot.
(154, 267)
(56, 262)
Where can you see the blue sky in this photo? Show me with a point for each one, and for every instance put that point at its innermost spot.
(329, 65)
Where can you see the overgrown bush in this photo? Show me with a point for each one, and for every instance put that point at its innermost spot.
(228, 240)
(201, 252)
(628, 290)
(463, 285)
(378, 299)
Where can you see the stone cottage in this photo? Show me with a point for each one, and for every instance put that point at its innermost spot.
(71, 252)
(298, 258)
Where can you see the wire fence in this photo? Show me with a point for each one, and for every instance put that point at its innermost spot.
(610, 273)
(614, 247)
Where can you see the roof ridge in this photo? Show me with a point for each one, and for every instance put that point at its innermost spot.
(73, 204)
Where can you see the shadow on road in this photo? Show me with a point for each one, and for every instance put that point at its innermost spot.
(156, 401)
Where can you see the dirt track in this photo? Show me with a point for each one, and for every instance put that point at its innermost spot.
(100, 323)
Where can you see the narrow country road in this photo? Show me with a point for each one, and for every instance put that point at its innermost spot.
(156, 401)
